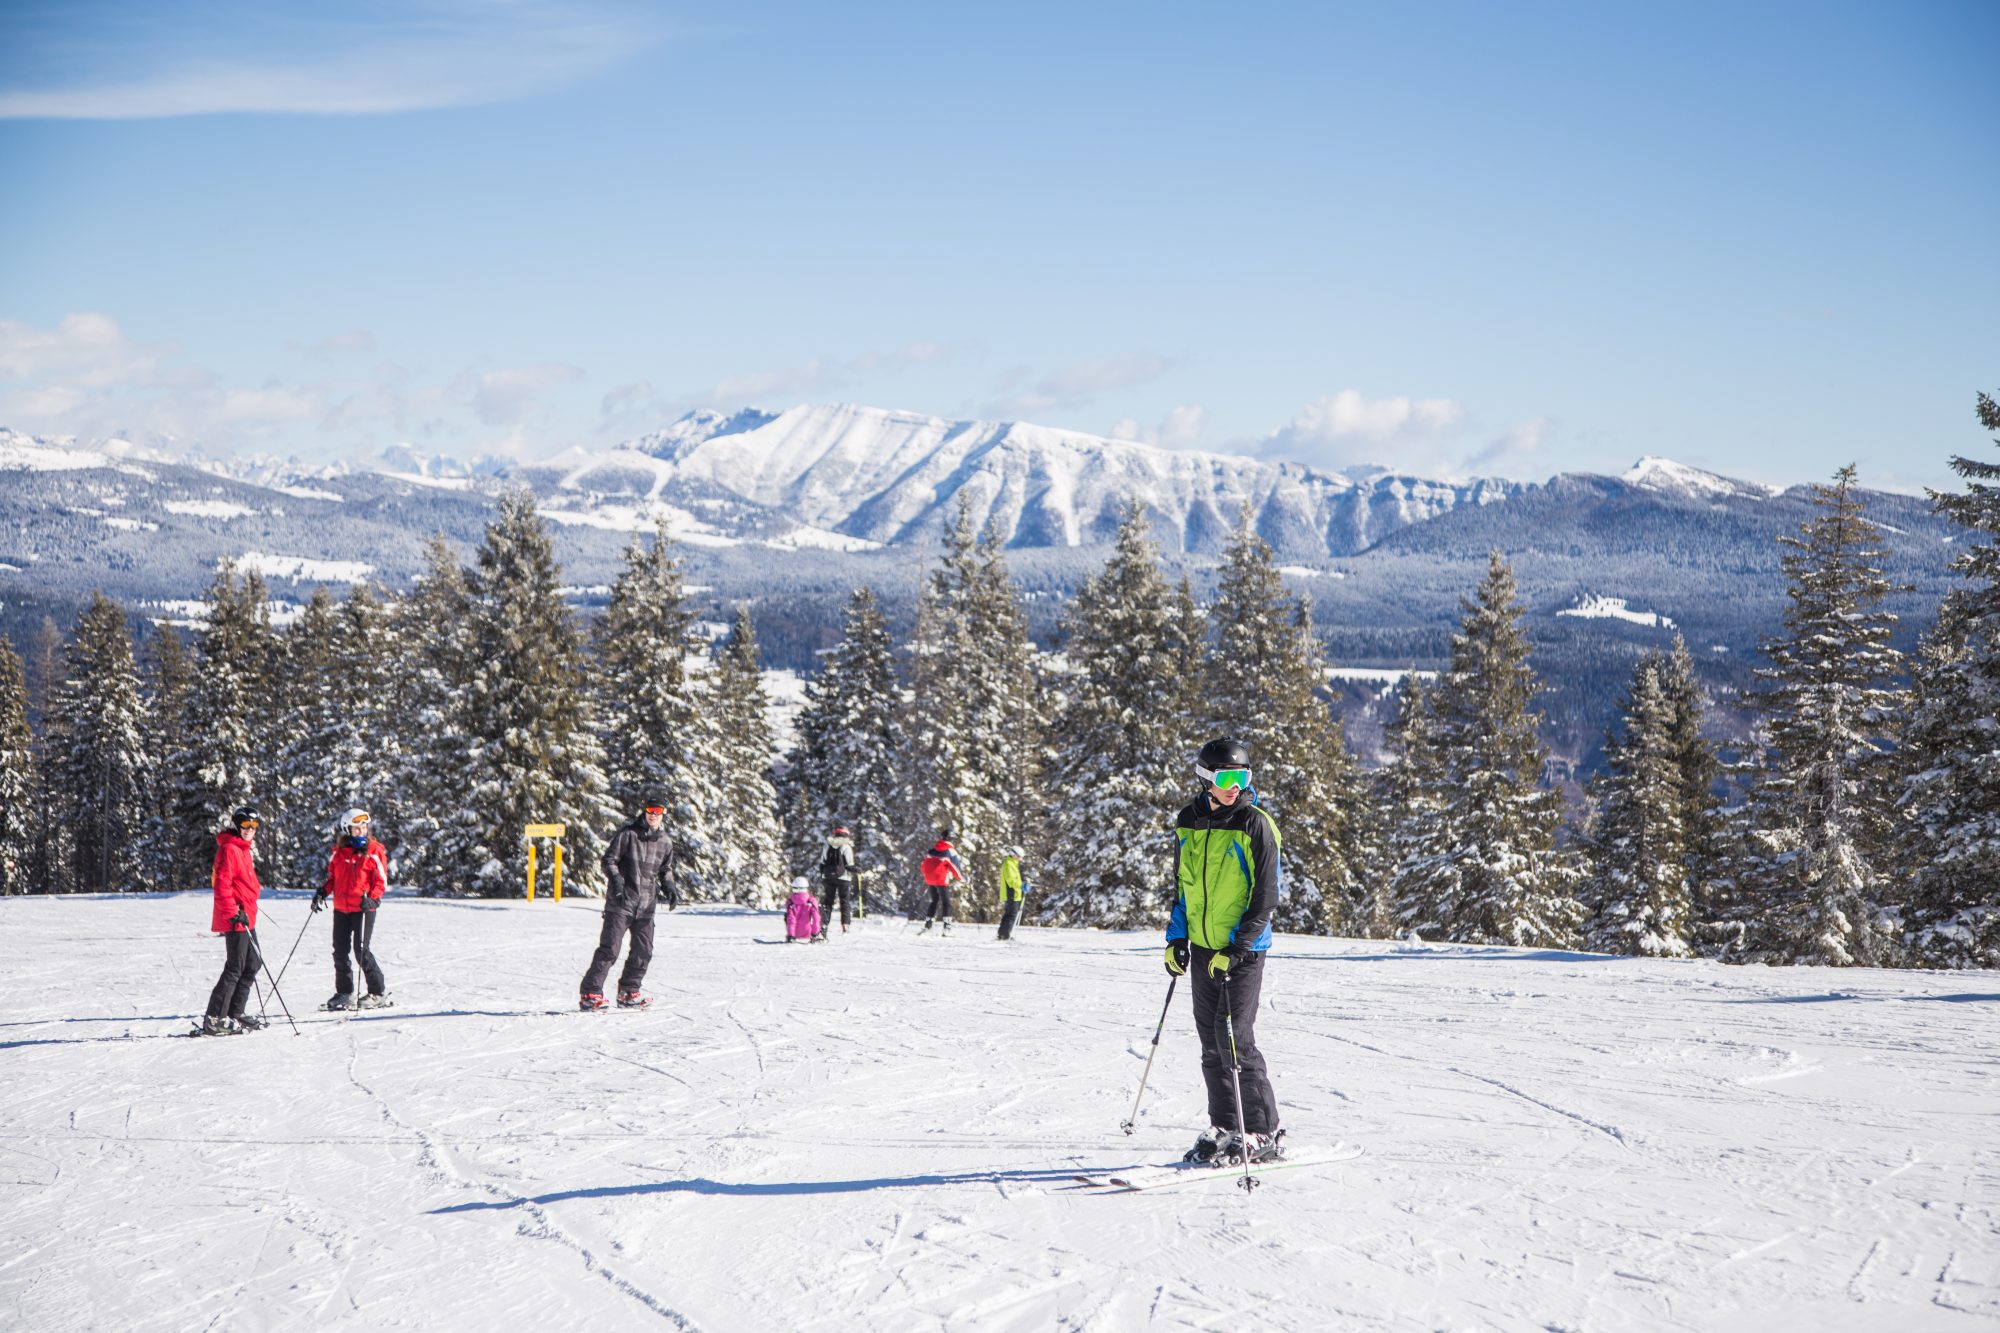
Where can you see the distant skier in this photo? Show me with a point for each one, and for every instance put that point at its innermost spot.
(1227, 871)
(638, 872)
(357, 874)
(1012, 892)
(234, 879)
(941, 869)
(838, 876)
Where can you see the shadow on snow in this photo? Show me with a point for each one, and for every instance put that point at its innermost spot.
(702, 1185)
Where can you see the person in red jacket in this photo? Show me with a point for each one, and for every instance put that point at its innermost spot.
(235, 881)
(356, 876)
(941, 869)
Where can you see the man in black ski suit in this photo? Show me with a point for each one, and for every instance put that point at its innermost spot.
(638, 872)
(838, 878)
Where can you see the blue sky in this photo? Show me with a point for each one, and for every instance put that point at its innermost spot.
(1453, 238)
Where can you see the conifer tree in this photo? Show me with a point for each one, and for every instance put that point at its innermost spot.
(976, 721)
(1813, 885)
(1638, 887)
(1950, 794)
(657, 734)
(98, 717)
(219, 763)
(851, 744)
(749, 861)
(1265, 685)
(425, 642)
(1697, 770)
(17, 775)
(307, 707)
(366, 741)
(1412, 806)
(49, 851)
(170, 683)
(1503, 881)
(1125, 740)
(532, 756)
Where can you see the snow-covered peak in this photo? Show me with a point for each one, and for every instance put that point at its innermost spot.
(1664, 474)
(697, 426)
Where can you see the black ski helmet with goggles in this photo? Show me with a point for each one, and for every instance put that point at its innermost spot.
(1224, 762)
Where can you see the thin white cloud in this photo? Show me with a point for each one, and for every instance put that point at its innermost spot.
(1078, 383)
(509, 397)
(1349, 429)
(1511, 451)
(821, 373)
(1181, 429)
(435, 55)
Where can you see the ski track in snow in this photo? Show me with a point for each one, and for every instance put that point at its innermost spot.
(881, 1131)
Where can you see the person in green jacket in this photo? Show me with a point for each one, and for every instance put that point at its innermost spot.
(1226, 868)
(1012, 892)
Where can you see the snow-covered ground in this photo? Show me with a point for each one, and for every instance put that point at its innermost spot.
(879, 1132)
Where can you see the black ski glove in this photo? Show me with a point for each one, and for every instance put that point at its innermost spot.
(669, 895)
(1177, 957)
(242, 918)
(319, 901)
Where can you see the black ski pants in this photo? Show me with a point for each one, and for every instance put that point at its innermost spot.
(619, 918)
(940, 906)
(828, 890)
(240, 963)
(1212, 1009)
(351, 933)
(1008, 916)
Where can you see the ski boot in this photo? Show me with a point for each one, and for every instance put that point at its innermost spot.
(374, 1001)
(631, 999)
(926, 930)
(251, 1023)
(1208, 1149)
(340, 1002)
(947, 927)
(1266, 1147)
(215, 1025)
(590, 1002)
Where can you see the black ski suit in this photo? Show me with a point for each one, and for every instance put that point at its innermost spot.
(638, 871)
(838, 876)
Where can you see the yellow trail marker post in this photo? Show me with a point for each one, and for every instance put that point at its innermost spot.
(554, 833)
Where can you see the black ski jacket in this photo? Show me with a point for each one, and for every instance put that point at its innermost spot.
(638, 867)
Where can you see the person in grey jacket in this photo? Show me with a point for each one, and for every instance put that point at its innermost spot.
(638, 873)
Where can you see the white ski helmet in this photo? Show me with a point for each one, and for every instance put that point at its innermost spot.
(355, 816)
(799, 883)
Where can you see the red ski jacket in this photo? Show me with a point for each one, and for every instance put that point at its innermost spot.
(235, 882)
(940, 867)
(352, 876)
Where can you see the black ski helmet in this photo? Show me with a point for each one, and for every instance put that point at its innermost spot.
(1223, 752)
(652, 798)
(245, 814)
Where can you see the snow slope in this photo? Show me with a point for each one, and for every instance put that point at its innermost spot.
(878, 1133)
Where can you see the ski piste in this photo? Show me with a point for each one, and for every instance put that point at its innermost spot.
(1197, 1173)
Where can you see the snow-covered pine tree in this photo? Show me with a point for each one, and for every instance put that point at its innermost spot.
(169, 675)
(98, 718)
(49, 851)
(1637, 891)
(298, 823)
(365, 742)
(657, 731)
(17, 774)
(1266, 678)
(748, 865)
(1124, 741)
(534, 757)
(426, 650)
(1411, 805)
(219, 764)
(1817, 817)
(1950, 798)
(850, 747)
(975, 726)
(1503, 880)
(1697, 772)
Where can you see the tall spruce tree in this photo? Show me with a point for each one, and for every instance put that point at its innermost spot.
(1950, 795)
(532, 756)
(657, 733)
(1697, 771)
(169, 674)
(1503, 881)
(17, 774)
(1637, 892)
(1412, 800)
(425, 642)
(99, 720)
(851, 743)
(1125, 740)
(1266, 681)
(307, 706)
(49, 844)
(976, 721)
(1813, 884)
(220, 761)
(749, 862)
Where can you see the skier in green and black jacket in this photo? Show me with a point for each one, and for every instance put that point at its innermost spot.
(1226, 868)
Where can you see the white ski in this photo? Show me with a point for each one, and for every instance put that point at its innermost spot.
(1161, 1177)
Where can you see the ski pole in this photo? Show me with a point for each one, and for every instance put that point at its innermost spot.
(1132, 1121)
(295, 948)
(1249, 1182)
(256, 944)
